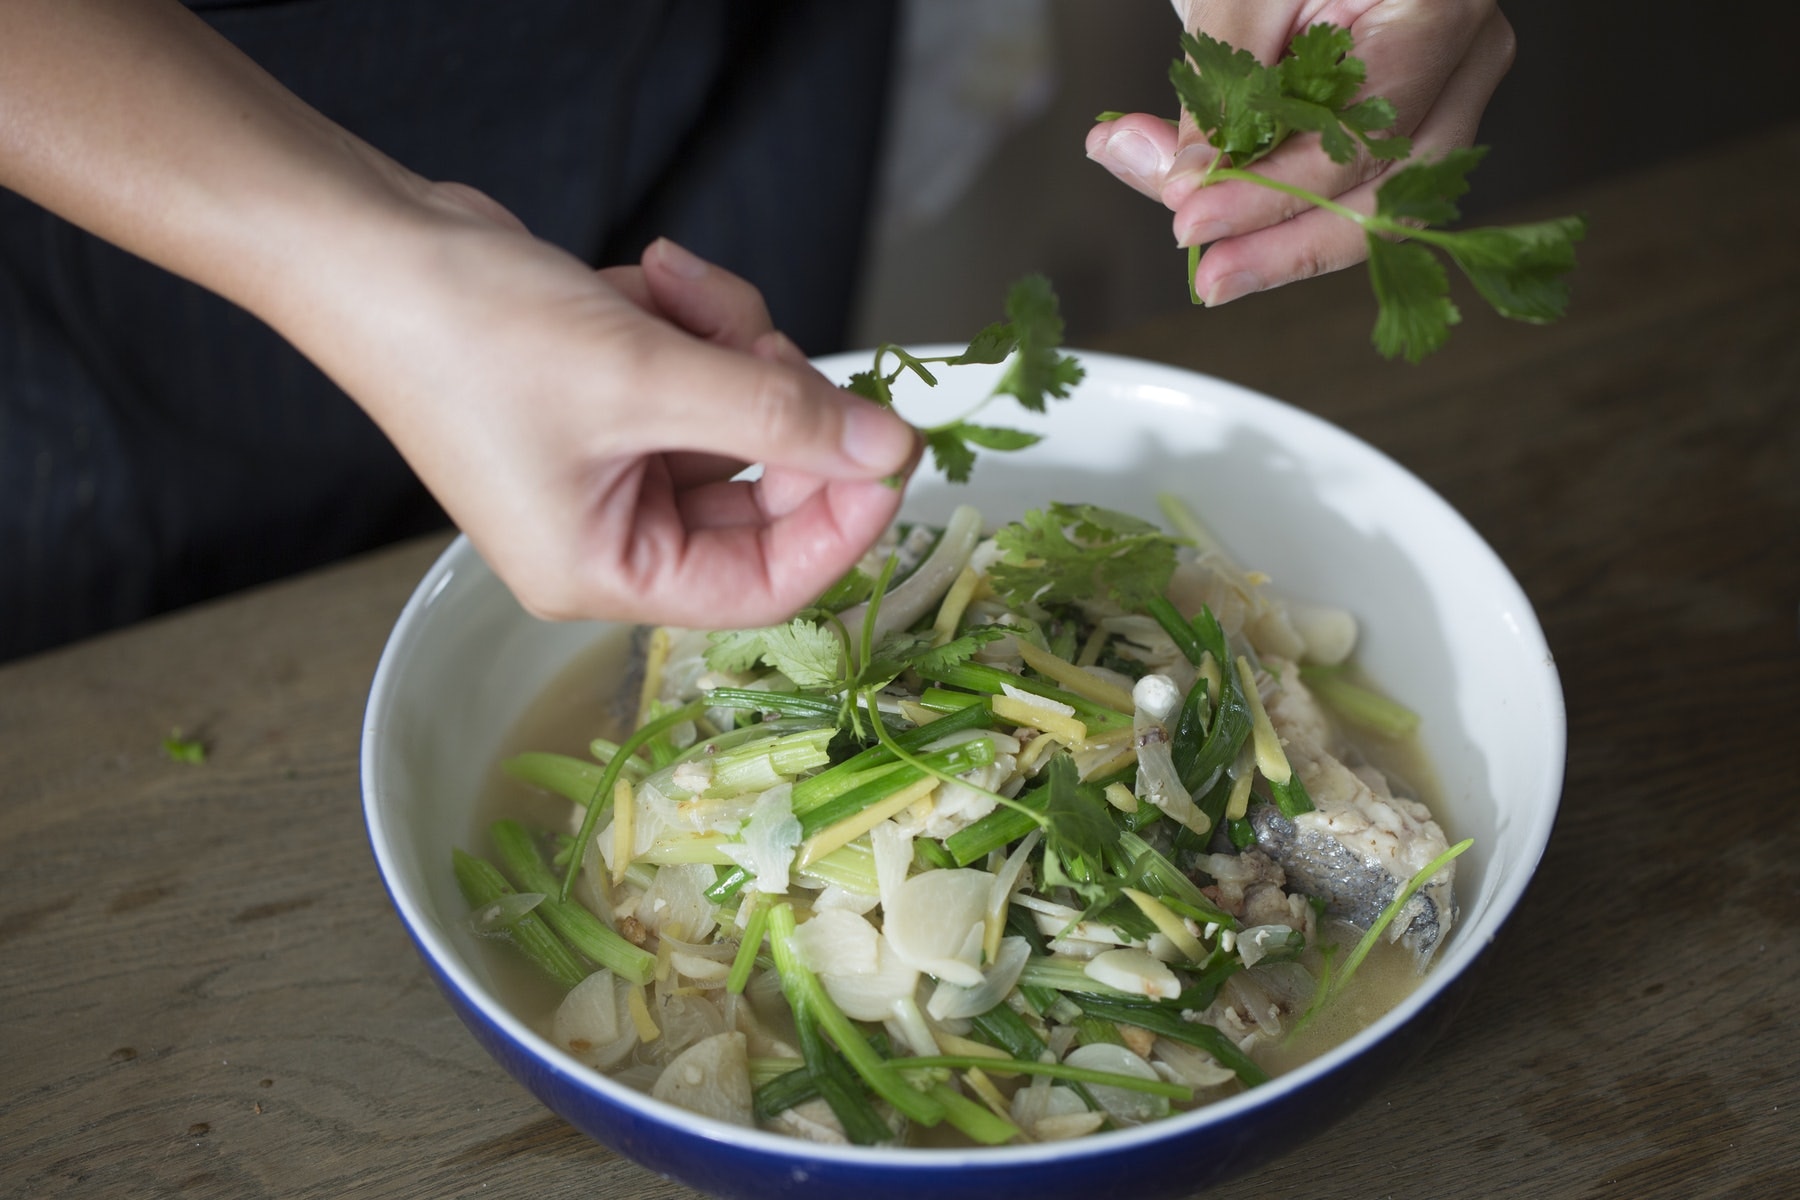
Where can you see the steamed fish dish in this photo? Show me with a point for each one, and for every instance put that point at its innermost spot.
(1015, 835)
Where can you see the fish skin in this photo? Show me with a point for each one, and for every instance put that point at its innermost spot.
(1353, 889)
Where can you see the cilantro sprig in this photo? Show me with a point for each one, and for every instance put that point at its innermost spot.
(1073, 552)
(1036, 372)
(1247, 109)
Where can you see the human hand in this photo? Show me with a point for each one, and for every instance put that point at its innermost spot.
(1437, 62)
(583, 427)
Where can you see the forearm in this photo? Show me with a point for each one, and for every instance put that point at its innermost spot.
(134, 120)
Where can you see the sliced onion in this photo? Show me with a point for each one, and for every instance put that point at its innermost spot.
(1254, 943)
(712, 1078)
(929, 920)
(1135, 971)
(770, 838)
(927, 585)
(837, 942)
(1123, 1105)
(591, 1022)
(875, 995)
(1041, 1098)
(1006, 881)
(951, 1001)
(893, 859)
(676, 901)
(1188, 1065)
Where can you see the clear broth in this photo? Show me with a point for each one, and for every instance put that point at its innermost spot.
(583, 702)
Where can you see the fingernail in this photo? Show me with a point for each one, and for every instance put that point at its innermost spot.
(875, 438)
(1185, 172)
(1133, 153)
(1193, 159)
(679, 260)
(1233, 286)
(1203, 233)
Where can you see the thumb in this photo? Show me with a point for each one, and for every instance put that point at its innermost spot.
(1137, 149)
(770, 407)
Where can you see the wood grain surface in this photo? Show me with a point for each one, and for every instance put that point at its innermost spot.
(203, 991)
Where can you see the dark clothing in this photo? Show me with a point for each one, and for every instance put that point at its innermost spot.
(158, 445)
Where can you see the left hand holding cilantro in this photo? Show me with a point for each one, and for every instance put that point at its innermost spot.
(1437, 63)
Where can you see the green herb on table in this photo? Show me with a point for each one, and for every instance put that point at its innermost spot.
(183, 749)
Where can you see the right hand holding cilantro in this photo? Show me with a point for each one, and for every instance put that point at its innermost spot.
(584, 428)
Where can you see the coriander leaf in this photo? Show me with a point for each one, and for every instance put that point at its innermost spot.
(871, 385)
(1318, 68)
(951, 454)
(1079, 823)
(993, 437)
(961, 649)
(1340, 132)
(1226, 91)
(1095, 523)
(1370, 115)
(1519, 268)
(896, 653)
(1110, 554)
(809, 654)
(1413, 294)
(991, 345)
(1427, 191)
(1314, 118)
(1037, 371)
(184, 749)
(735, 651)
(1317, 79)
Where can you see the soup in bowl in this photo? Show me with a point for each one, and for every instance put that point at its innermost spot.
(1442, 627)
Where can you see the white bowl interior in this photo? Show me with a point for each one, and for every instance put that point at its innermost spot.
(1445, 629)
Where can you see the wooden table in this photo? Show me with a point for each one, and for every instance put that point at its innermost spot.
(203, 990)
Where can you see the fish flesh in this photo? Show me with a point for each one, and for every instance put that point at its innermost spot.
(1361, 843)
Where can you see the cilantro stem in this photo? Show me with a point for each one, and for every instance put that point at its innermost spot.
(1444, 239)
(1313, 198)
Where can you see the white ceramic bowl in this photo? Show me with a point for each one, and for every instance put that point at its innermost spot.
(1445, 628)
